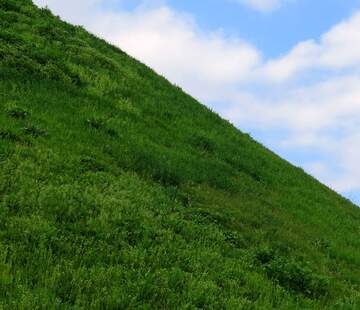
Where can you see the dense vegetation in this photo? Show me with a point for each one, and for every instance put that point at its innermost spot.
(118, 190)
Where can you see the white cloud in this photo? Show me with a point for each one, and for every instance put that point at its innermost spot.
(231, 76)
(263, 5)
(337, 49)
(324, 105)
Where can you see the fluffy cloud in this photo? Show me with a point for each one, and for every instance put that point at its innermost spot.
(337, 49)
(311, 94)
(263, 5)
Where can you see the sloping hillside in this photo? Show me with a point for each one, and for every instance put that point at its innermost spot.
(118, 190)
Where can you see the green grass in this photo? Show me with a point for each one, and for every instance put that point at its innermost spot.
(118, 190)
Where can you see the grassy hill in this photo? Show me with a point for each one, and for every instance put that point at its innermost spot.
(118, 190)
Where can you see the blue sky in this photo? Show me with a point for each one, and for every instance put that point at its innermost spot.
(286, 71)
(272, 32)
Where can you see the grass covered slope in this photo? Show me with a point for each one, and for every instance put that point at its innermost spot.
(118, 190)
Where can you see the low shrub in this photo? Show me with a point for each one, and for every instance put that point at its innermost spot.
(89, 163)
(236, 239)
(95, 123)
(10, 136)
(21, 63)
(100, 124)
(293, 275)
(10, 6)
(17, 112)
(153, 162)
(53, 72)
(10, 37)
(297, 277)
(34, 131)
(264, 255)
(179, 196)
(203, 144)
